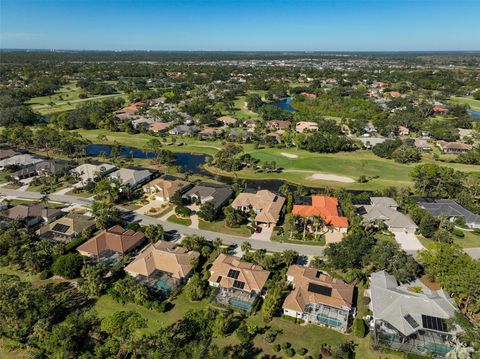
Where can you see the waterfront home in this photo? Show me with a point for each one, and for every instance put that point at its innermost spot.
(303, 126)
(111, 244)
(278, 125)
(21, 160)
(227, 120)
(164, 188)
(266, 205)
(385, 209)
(43, 168)
(163, 266)
(238, 283)
(325, 207)
(33, 214)
(450, 209)
(67, 228)
(410, 320)
(204, 192)
(454, 147)
(142, 123)
(318, 298)
(159, 126)
(92, 172)
(131, 176)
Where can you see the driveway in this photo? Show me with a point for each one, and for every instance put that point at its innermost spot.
(408, 241)
(264, 235)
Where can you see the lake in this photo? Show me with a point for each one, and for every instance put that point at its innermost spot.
(192, 162)
(284, 104)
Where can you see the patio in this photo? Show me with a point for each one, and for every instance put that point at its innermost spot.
(235, 298)
(328, 316)
(160, 282)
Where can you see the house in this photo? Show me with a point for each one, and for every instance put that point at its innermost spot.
(112, 242)
(266, 204)
(163, 266)
(403, 131)
(142, 122)
(22, 160)
(278, 125)
(251, 124)
(309, 95)
(303, 126)
(407, 320)
(181, 130)
(238, 283)
(450, 209)
(422, 144)
(164, 188)
(325, 207)
(209, 192)
(159, 126)
(42, 168)
(91, 172)
(227, 120)
(439, 110)
(453, 147)
(211, 132)
(67, 228)
(386, 209)
(131, 177)
(394, 94)
(33, 214)
(318, 298)
(7, 153)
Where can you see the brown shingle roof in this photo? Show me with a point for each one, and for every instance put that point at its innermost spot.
(268, 203)
(23, 211)
(163, 256)
(341, 295)
(253, 275)
(115, 239)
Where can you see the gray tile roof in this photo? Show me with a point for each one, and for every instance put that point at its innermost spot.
(449, 208)
(392, 302)
(217, 194)
(385, 209)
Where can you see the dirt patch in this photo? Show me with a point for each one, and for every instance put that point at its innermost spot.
(330, 177)
(289, 155)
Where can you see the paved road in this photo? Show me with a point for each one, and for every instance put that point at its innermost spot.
(169, 226)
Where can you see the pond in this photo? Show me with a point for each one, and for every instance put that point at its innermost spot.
(474, 114)
(284, 104)
(192, 163)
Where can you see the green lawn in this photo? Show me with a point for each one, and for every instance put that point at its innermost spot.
(319, 242)
(474, 104)
(67, 92)
(179, 220)
(241, 110)
(106, 306)
(220, 227)
(9, 349)
(470, 240)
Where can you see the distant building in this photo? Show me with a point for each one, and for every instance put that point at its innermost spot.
(21, 160)
(303, 126)
(7, 153)
(410, 321)
(159, 126)
(403, 131)
(227, 120)
(318, 298)
(453, 147)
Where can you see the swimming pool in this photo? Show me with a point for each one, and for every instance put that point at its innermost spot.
(234, 302)
(162, 286)
(324, 319)
(438, 348)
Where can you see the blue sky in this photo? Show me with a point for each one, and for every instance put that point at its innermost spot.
(300, 25)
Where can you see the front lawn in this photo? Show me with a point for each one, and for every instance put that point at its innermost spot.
(320, 241)
(179, 220)
(221, 227)
(470, 240)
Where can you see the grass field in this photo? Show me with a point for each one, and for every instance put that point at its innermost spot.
(470, 240)
(179, 220)
(67, 92)
(474, 104)
(220, 227)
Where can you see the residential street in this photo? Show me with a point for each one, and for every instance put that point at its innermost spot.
(305, 250)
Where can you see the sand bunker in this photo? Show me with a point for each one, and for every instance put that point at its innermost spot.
(327, 177)
(289, 155)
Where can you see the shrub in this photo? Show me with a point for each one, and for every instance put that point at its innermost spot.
(270, 336)
(289, 352)
(44, 275)
(183, 211)
(359, 328)
(286, 345)
(276, 348)
(365, 300)
(68, 265)
(302, 351)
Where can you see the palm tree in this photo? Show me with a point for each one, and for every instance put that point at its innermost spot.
(246, 247)
(217, 243)
(318, 222)
(45, 198)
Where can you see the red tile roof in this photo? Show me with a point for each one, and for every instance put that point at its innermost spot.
(322, 206)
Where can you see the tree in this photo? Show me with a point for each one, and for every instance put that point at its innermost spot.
(196, 289)
(68, 265)
(106, 214)
(234, 217)
(153, 232)
(345, 350)
(246, 247)
(207, 212)
(406, 154)
(436, 181)
(92, 280)
(123, 325)
(107, 190)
